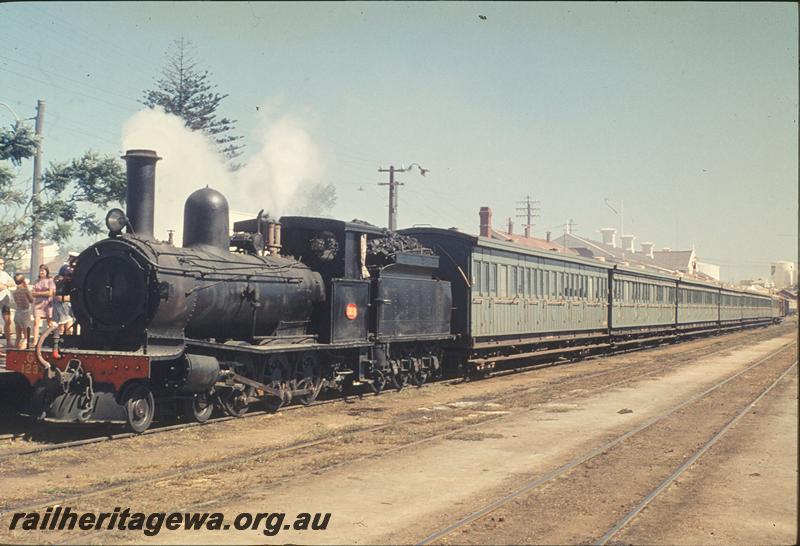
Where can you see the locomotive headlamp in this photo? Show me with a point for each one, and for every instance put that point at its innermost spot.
(116, 221)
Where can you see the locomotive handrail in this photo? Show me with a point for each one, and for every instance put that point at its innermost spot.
(48, 366)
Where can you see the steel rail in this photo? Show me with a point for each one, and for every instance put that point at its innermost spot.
(347, 462)
(563, 469)
(623, 521)
(304, 445)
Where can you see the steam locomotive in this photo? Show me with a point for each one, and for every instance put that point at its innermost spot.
(275, 313)
(280, 310)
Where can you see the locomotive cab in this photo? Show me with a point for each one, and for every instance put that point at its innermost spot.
(337, 251)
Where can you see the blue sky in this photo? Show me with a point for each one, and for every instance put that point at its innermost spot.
(687, 111)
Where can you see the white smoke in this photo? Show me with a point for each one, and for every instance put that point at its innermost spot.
(287, 160)
(273, 177)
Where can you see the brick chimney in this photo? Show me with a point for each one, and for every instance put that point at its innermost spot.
(609, 236)
(510, 226)
(627, 243)
(647, 248)
(486, 222)
(548, 236)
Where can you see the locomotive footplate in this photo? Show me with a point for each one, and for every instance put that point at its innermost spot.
(78, 386)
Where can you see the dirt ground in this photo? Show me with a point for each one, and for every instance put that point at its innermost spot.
(398, 467)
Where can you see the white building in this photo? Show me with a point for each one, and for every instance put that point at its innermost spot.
(783, 274)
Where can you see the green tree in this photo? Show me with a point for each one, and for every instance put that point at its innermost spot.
(69, 193)
(70, 190)
(16, 144)
(185, 91)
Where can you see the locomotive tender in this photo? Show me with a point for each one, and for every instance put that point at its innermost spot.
(282, 310)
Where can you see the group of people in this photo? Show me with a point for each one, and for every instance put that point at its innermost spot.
(47, 302)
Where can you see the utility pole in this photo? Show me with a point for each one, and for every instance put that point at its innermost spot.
(392, 195)
(529, 212)
(37, 188)
(393, 189)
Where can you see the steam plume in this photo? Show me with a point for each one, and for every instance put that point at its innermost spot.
(286, 163)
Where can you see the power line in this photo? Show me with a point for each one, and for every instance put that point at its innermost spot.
(53, 73)
(67, 89)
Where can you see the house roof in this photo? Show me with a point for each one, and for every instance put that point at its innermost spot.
(533, 242)
(662, 260)
(676, 260)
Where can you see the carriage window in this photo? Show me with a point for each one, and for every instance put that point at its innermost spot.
(539, 282)
(493, 279)
(522, 277)
(502, 281)
(527, 276)
(512, 283)
(476, 277)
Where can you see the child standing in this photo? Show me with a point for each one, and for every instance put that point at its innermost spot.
(23, 321)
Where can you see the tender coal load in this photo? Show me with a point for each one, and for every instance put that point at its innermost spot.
(383, 250)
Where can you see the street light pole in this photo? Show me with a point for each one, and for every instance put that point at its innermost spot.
(13, 113)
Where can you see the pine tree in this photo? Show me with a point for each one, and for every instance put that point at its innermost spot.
(185, 91)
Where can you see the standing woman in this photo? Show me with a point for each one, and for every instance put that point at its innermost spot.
(44, 292)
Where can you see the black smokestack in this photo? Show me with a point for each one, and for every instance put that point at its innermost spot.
(140, 198)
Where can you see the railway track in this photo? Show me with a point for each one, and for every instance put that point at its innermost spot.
(562, 358)
(296, 447)
(293, 449)
(529, 486)
(627, 518)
